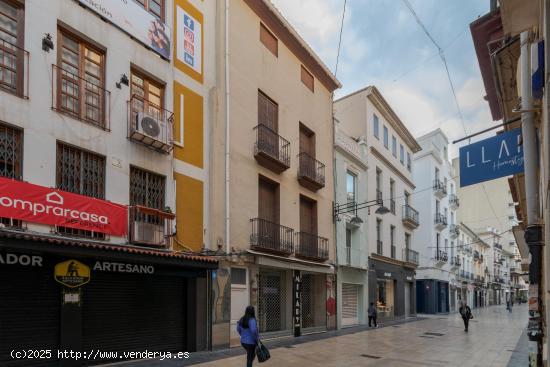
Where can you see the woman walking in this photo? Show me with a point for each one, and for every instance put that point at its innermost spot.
(466, 314)
(248, 330)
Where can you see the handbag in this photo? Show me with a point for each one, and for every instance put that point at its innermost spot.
(262, 352)
(471, 316)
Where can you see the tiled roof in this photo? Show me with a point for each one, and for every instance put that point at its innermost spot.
(33, 236)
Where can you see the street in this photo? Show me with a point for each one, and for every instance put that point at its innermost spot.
(432, 341)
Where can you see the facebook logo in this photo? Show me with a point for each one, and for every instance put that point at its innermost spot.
(189, 23)
(189, 59)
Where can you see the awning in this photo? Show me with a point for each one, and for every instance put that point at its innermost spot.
(520, 15)
(291, 263)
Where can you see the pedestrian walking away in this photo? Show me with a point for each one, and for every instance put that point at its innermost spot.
(372, 314)
(247, 328)
(466, 314)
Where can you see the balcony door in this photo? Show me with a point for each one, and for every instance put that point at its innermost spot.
(268, 119)
(307, 141)
(268, 212)
(308, 216)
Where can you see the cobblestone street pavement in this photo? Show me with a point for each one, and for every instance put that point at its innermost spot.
(433, 341)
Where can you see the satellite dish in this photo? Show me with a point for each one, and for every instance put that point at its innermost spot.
(150, 126)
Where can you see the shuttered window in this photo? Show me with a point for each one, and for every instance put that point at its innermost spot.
(268, 112)
(147, 188)
(269, 40)
(307, 79)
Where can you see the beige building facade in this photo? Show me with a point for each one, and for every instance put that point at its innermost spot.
(271, 177)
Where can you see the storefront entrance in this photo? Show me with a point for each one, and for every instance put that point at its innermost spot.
(272, 301)
(350, 304)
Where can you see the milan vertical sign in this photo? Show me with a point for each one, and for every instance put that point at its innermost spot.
(297, 302)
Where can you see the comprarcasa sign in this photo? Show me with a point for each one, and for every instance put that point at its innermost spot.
(39, 204)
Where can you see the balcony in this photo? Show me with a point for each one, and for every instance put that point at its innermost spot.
(410, 217)
(150, 125)
(271, 150)
(410, 256)
(440, 221)
(498, 246)
(441, 257)
(311, 172)
(379, 199)
(454, 203)
(311, 247)
(150, 227)
(271, 237)
(455, 262)
(80, 98)
(440, 190)
(454, 231)
(14, 69)
(379, 247)
(392, 206)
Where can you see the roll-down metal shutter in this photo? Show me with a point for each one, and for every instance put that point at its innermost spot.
(30, 302)
(129, 312)
(350, 295)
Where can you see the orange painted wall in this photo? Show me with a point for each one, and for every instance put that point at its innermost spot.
(193, 131)
(189, 212)
(186, 5)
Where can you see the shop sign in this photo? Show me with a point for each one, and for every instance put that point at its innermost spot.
(499, 156)
(20, 259)
(39, 204)
(136, 21)
(387, 275)
(72, 273)
(297, 302)
(409, 278)
(123, 268)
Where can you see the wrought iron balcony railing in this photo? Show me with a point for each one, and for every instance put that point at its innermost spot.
(271, 237)
(271, 150)
(311, 246)
(149, 124)
(311, 172)
(439, 187)
(440, 220)
(454, 201)
(410, 256)
(410, 217)
(441, 255)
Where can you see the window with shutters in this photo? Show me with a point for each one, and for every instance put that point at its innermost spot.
(269, 40)
(11, 161)
(12, 54)
(155, 7)
(307, 79)
(268, 112)
(80, 172)
(81, 80)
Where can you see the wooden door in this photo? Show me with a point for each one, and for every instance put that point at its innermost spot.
(268, 112)
(308, 216)
(268, 206)
(307, 141)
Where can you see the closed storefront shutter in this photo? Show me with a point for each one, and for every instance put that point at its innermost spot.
(350, 296)
(129, 312)
(30, 302)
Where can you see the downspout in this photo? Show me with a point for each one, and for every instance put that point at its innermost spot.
(533, 231)
(227, 149)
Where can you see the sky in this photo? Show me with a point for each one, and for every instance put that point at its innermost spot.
(382, 45)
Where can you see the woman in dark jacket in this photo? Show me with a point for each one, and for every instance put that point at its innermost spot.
(466, 314)
(247, 328)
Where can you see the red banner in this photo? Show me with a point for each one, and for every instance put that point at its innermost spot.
(39, 204)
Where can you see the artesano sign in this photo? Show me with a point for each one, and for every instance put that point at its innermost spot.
(33, 203)
(492, 158)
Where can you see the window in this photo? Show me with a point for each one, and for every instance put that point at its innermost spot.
(407, 197)
(437, 174)
(392, 243)
(386, 138)
(407, 241)
(394, 146)
(409, 161)
(307, 79)
(445, 155)
(437, 210)
(147, 188)
(348, 237)
(11, 152)
(80, 172)
(155, 7)
(81, 80)
(351, 179)
(401, 153)
(146, 95)
(376, 126)
(392, 196)
(268, 112)
(379, 247)
(238, 276)
(437, 237)
(12, 61)
(269, 40)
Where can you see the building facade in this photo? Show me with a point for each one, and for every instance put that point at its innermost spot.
(367, 117)
(351, 229)
(89, 198)
(271, 185)
(438, 232)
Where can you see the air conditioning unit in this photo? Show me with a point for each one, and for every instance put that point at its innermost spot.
(149, 126)
(148, 233)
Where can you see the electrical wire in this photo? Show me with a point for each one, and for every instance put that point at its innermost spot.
(340, 38)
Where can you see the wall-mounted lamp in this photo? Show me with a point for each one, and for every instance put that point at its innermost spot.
(47, 43)
(123, 80)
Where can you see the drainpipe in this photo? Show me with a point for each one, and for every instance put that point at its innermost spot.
(533, 232)
(227, 131)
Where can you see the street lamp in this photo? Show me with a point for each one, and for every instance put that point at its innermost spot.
(352, 206)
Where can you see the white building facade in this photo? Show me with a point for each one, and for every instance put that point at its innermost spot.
(436, 238)
(366, 117)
